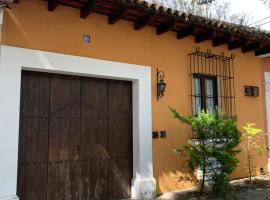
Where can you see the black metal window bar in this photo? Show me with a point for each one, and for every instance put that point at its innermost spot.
(214, 76)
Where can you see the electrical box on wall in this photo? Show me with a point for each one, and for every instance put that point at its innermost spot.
(251, 91)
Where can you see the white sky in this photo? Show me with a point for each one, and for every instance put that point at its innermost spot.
(257, 9)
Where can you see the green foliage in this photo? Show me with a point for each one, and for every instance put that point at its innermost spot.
(251, 142)
(251, 130)
(215, 138)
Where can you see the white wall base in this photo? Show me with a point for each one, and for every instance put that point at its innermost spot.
(268, 167)
(144, 188)
(267, 106)
(10, 197)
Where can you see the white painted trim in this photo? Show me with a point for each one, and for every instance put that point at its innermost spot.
(2, 11)
(267, 102)
(14, 59)
(9, 197)
(264, 55)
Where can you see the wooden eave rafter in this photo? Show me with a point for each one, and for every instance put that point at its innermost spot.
(262, 51)
(52, 4)
(237, 43)
(251, 46)
(166, 26)
(220, 38)
(186, 31)
(117, 14)
(201, 36)
(164, 20)
(143, 21)
(86, 9)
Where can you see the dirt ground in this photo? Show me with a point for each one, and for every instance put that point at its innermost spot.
(259, 189)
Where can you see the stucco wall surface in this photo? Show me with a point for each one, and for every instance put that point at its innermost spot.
(29, 25)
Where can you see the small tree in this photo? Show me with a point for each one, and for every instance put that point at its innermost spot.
(251, 142)
(213, 9)
(215, 139)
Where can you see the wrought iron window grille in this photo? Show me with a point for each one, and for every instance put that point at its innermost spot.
(215, 67)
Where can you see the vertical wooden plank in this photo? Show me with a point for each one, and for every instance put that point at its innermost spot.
(64, 107)
(94, 129)
(64, 180)
(53, 151)
(43, 131)
(120, 139)
(98, 188)
(74, 148)
(22, 135)
(94, 116)
(32, 137)
(84, 157)
(75, 168)
(84, 179)
(119, 178)
(94, 98)
(21, 159)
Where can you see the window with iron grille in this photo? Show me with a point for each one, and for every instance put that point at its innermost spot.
(212, 82)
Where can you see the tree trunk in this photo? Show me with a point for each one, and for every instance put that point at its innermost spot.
(203, 173)
(249, 168)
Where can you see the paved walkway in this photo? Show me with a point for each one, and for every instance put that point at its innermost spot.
(259, 190)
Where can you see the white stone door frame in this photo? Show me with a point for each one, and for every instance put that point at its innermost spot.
(267, 107)
(14, 60)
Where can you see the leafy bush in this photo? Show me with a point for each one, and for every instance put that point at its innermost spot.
(251, 142)
(212, 149)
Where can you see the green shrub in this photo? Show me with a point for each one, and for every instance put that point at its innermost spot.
(212, 149)
(252, 142)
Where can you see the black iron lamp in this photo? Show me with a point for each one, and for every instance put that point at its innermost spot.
(161, 85)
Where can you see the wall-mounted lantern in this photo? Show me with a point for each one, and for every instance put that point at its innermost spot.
(161, 85)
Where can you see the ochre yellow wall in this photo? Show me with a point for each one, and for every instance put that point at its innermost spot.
(29, 24)
(265, 63)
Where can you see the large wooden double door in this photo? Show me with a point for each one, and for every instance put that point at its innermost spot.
(75, 138)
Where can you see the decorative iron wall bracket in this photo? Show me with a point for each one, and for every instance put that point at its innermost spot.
(161, 85)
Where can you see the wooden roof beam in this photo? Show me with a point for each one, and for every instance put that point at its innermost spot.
(234, 44)
(201, 37)
(185, 32)
(52, 4)
(220, 40)
(117, 15)
(143, 21)
(251, 47)
(88, 8)
(262, 51)
(165, 27)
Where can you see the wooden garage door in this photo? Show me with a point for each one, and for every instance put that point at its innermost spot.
(75, 138)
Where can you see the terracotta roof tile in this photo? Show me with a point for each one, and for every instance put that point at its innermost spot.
(163, 8)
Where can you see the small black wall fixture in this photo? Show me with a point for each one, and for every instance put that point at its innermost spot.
(163, 134)
(252, 91)
(161, 85)
(155, 134)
